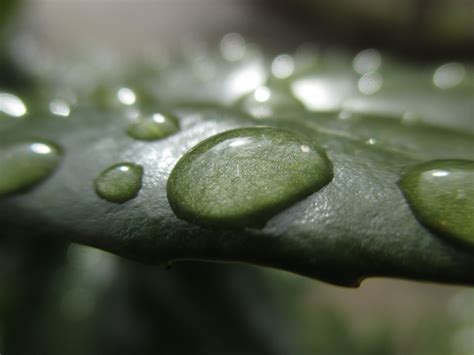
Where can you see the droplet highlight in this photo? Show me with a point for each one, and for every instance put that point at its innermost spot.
(119, 183)
(441, 195)
(11, 105)
(154, 127)
(59, 108)
(26, 164)
(243, 177)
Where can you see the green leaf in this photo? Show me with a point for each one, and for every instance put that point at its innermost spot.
(358, 225)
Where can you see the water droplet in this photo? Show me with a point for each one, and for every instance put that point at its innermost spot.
(345, 115)
(246, 79)
(120, 98)
(449, 75)
(441, 194)
(120, 182)
(126, 96)
(11, 105)
(322, 93)
(25, 164)
(367, 61)
(283, 66)
(59, 108)
(154, 127)
(241, 178)
(371, 141)
(265, 102)
(370, 83)
(411, 118)
(233, 47)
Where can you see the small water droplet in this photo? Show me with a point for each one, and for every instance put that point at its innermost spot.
(369, 60)
(449, 75)
(11, 105)
(59, 108)
(119, 183)
(283, 66)
(233, 47)
(345, 115)
(411, 118)
(371, 141)
(23, 165)
(322, 93)
(441, 195)
(155, 126)
(262, 94)
(120, 98)
(370, 83)
(126, 96)
(265, 102)
(243, 177)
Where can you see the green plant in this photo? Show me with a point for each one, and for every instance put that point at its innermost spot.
(355, 225)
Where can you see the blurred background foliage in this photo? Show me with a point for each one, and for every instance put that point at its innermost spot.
(57, 298)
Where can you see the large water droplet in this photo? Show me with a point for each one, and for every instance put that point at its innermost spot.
(25, 164)
(242, 177)
(441, 194)
(119, 183)
(156, 126)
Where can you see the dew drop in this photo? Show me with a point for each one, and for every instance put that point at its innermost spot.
(126, 96)
(441, 195)
(411, 118)
(449, 75)
(344, 115)
(119, 183)
(322, 93)
(241, 178)
(26, 164)
(59, 108)
(265, 102)
(233, 47)
(369, 60)
(283, 66)
(154, 127)
(370, 83)
(11, 105)
(371, 141)
(120, 98)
